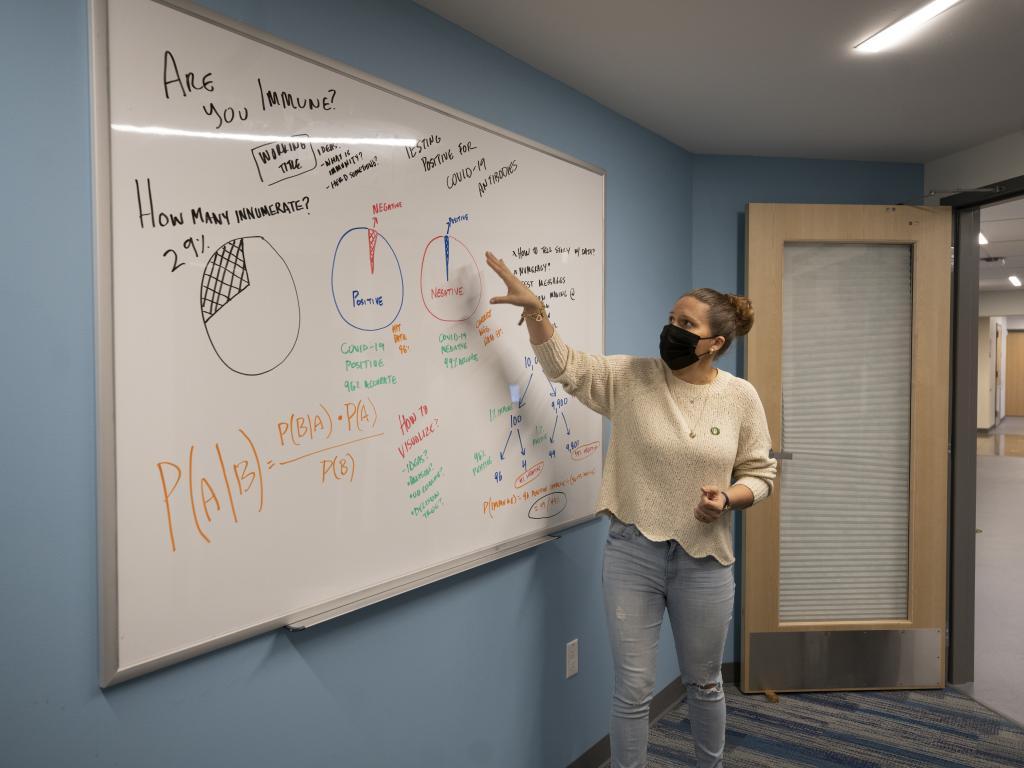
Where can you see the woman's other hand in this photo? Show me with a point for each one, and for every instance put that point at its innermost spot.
(711, 505)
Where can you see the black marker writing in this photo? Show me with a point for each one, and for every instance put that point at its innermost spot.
(422, 145)
(189, 83)
(502, 173)
(227, 115)
(253, 212)
(156, 218)
(288, 100)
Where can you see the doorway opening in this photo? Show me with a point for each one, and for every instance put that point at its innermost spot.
(987, 442)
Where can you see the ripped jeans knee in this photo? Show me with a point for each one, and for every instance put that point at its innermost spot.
(712, 691)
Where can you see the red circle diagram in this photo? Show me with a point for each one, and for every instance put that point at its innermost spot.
(450, 280)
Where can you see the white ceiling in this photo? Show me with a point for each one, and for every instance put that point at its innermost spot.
(1003, 225)
(775, 77)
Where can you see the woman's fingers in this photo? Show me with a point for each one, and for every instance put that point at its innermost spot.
(503, 272)
(501, 269)
(518, 294)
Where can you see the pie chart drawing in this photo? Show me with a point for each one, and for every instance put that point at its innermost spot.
(366, 280)
(450, 280)
(250, 306)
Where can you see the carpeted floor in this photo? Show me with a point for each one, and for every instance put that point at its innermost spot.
(889, 729)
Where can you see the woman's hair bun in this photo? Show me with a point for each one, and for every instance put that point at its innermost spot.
(744, 313)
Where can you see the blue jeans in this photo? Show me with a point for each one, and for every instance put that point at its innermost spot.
(641, 578)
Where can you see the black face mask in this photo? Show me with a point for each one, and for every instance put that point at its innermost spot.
(679, 347)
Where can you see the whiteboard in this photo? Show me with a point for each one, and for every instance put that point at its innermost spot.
(305, 401)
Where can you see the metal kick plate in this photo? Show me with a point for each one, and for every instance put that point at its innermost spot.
(892, 658)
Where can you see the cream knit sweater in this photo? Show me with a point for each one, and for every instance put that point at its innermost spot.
(654, 470)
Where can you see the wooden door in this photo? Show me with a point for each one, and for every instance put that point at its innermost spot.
(844, 566)
(1015, 373)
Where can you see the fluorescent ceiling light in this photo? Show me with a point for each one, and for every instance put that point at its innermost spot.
(1015, 280)
(896, 33)
(982, 240)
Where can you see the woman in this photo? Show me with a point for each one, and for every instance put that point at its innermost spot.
(681, 431)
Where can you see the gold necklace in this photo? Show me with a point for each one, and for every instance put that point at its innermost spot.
(703, 403)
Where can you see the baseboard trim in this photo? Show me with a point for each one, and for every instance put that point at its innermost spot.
(663, 703)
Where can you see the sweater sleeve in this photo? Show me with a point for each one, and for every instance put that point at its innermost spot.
(754, 468)
(591, 379)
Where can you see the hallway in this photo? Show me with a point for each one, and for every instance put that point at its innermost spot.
(999, 607)
(1006, 439)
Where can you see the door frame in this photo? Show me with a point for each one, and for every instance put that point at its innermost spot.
(1000, 344)
(964, 421)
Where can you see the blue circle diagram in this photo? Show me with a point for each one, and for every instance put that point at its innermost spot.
(366, 280)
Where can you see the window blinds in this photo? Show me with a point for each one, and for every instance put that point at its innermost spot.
(846, 389)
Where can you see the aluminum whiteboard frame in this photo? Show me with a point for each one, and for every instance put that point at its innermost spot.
(110, 672)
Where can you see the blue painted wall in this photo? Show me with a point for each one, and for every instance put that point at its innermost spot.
(723, 185)
(469, 672)
(463, 673)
